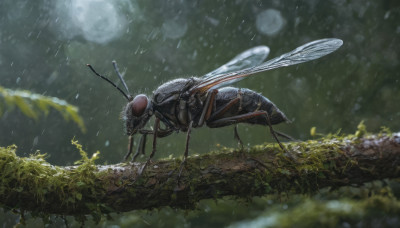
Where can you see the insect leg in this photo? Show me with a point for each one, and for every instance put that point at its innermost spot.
(185, 155)
(141, 147)
(236, 136)
(156, 126)
(234, 119)
(240, 118)
(161, 133)
(224, 109)
(273, 133)
(130, 146)
(205, 115)
(164, 120)
(286, 136)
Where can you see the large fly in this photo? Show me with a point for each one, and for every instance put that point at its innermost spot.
(186, 103)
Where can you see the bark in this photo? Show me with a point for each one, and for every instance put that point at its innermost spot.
(32, 184)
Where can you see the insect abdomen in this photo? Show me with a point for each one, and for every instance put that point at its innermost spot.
(247, 102)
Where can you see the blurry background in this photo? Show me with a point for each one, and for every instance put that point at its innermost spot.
(45, 46)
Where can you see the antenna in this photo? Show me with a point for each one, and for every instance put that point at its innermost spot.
(129, 98)
(120, 76)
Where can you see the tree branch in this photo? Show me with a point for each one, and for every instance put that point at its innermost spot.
(34, 185)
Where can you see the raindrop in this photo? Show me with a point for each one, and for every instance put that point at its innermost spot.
(77, 96)
(174, 29)
(194, 55)
(58, 49)
(212, 21)
(52, 78)
(107, 143)
(270, 22)
(35, 141)
(18, 80)
(38, 35)
(387, 15)
(356, 107)
(96, 20)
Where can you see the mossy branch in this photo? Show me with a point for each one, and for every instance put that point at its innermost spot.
(31, 184)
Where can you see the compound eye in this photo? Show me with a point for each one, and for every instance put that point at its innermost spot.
(139, 104)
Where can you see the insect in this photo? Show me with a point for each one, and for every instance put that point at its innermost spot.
(186, 103)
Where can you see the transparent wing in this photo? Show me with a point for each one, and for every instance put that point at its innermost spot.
(307, 52)
(249, 58)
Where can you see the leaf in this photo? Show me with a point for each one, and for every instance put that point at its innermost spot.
(80, 183)
(42, 105)
(78, 196)
(25, 107)
(33, 105)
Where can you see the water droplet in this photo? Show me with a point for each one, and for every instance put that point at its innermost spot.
(174, 29)
(35, 141)
(387, 15)
(96, 20)
(270, 22)
(212, 21)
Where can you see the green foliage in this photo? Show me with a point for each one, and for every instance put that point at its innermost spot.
(33, 105)
(374, 211)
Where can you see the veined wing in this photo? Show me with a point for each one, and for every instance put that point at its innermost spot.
(247, 59)
(307, 52)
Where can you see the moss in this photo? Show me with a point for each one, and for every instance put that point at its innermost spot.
(50, 185)
(361, 130)
(264, 169)
(312, 157)
(313, 131)
(385, 131)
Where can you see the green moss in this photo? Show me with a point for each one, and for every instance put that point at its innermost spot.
(311, 163)
(313, 131)
(385, 131)
(24, 179)
(276, 171)
(361, 130)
